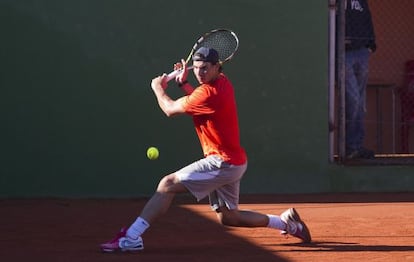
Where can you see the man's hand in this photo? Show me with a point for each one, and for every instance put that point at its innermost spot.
(159, 82)
(180, 78)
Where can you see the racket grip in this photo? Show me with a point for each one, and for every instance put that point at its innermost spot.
(175, 73)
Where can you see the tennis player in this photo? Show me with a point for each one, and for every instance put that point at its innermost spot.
(213, 108)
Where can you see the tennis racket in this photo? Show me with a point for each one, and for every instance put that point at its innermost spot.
(224, 41)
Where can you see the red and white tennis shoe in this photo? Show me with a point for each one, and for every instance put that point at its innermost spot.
(122, 243)
(295, 226)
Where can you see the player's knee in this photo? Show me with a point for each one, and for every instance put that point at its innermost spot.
(170, 184)
(165, 184)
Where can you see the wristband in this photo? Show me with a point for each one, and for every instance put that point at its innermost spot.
(183, 83)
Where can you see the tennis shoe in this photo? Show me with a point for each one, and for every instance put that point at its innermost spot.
(121, 242)
(295, 226)
(361, 153)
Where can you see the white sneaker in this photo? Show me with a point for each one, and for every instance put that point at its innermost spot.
(122, 243)
(295, 226)
(129, 244)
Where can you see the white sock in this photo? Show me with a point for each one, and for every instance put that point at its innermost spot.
(137, 228)
(276, 222)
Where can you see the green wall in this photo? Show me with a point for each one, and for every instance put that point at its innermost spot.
(77, 112)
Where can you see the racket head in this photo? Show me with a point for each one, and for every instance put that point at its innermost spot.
(224, 41)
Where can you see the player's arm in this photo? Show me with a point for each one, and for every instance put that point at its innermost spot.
(187, 88)
(181, 78)
(169, 106)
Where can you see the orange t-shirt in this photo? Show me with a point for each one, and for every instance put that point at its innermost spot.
(214, 111)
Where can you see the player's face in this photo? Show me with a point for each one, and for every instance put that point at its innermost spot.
(205, 72)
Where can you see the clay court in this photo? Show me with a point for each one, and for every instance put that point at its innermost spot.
(345, 227)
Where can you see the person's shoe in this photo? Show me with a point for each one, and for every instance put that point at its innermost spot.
(295, 226)
(352, 155)
(361, 153)
(366, 153)
(122, 243)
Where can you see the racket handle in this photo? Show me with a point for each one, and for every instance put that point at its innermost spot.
(175, 73)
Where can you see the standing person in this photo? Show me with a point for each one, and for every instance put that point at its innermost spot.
(213, 108)
(359, 44)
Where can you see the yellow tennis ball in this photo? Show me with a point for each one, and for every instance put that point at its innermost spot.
(152, 153)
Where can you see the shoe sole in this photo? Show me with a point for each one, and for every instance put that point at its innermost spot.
(106, 250)
(305, 230)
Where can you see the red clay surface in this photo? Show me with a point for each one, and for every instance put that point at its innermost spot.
(345, 227)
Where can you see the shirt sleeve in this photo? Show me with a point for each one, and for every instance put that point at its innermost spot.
(199, 102)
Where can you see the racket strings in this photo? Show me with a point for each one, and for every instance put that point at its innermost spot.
(224, 42)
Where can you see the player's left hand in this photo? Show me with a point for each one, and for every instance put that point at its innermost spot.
(180, 78)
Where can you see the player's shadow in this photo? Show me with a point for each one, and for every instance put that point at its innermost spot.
(333, 246)
(188, 236)
(71, 230)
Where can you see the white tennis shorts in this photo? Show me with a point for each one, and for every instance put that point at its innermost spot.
(213, 177)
